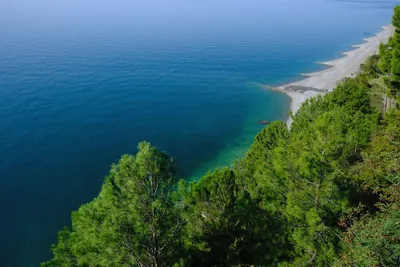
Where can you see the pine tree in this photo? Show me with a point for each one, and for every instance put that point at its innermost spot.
(133, 221)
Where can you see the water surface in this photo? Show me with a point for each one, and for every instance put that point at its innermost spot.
(82, 82)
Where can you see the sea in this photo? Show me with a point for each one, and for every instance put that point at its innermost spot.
(83, 81)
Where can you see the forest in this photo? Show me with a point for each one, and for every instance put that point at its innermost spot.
(324, 192)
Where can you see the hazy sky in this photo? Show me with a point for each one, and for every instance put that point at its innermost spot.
(177, 13)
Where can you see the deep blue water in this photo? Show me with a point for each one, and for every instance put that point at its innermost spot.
(82, 82)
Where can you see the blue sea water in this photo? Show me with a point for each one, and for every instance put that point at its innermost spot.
(82, 82)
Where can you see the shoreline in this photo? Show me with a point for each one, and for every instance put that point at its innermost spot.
(324, 81)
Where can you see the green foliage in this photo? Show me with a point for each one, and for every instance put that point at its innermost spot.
(395, 64)
(374, 239)
(224, 225)
(327, 136)
(254, 172)
(382, 156)
(396, 17)
(370, 67)
(385, 58)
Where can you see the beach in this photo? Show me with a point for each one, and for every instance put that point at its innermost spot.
(321, 82)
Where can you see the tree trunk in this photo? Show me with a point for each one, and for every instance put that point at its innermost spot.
(385, 103)
(155, 249)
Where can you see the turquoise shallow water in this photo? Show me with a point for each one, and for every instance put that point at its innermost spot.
(83, 82)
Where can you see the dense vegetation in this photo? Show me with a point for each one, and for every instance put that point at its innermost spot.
(325, 192)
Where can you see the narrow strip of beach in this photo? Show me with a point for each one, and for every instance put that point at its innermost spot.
(326, 80)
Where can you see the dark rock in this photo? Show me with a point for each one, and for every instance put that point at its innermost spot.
(264, 122)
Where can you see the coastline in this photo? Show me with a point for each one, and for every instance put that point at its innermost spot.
(321, 82)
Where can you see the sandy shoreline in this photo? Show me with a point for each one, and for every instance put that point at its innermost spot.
(324, 81)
